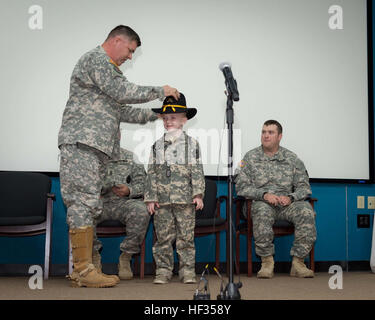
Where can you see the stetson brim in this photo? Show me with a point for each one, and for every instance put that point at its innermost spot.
(190, 112)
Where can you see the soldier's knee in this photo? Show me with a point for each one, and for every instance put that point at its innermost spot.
(301, 206)
(308, 216)
(263, 214)
(302, 209)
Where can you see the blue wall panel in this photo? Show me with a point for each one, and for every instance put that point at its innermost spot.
(338, 237)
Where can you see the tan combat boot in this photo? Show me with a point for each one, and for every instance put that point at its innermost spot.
(124, 270)
(97, 262)
(266, 271)
(85, 273)
(299, 269)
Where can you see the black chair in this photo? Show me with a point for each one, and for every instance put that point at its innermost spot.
(111, 229)
(244, 226)
(26, 208)
(209, 221)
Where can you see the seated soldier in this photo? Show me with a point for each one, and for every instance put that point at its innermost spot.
(122, 197)
(277, 182)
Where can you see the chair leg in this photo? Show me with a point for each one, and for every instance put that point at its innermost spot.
(47, 250)
(139, 262)
(249, 257)
(47, 255)
(137, 258)
(142, 271)
(217, 253)
(312, 261)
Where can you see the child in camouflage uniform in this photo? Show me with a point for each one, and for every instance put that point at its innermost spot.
(174, 190)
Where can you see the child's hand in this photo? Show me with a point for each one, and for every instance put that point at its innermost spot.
(151, 207)
(198, 201)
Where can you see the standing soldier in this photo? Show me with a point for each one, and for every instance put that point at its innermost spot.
(97, 102)
(278, 183)
(123, 201)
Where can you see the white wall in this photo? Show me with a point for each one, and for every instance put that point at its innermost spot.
(288, 63)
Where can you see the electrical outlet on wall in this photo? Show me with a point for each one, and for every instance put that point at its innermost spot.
(370, 202)
(360, 202)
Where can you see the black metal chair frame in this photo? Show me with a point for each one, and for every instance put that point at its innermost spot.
(36, 229)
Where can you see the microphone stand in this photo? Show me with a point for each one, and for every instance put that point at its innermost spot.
(231, 291)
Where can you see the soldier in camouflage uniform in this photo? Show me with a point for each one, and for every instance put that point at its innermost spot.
(122, 196)
(174, 190)
(277, 182)
(98, 98)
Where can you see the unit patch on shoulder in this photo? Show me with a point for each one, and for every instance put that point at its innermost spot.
(115, 67)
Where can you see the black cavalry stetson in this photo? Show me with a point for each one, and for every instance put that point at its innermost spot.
(171, 105)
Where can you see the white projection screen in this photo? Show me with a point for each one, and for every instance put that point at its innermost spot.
(301, 62)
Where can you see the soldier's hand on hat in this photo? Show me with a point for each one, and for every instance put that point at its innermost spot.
(198, 201)
(169, 91)
(151, 207)
(121, 190)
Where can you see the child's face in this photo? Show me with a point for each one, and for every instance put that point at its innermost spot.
(174, 121)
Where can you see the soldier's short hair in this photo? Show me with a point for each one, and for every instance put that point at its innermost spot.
(276, 123)
(126, 32)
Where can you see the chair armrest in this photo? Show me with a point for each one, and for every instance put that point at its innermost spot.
(239, 198)
(49, 214)
(311, 198)
(222, 198)
(240, 201)
(312, 201)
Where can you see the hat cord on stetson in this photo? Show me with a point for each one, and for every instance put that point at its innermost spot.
(173, 107)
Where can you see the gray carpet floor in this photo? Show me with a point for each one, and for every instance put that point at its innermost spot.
(355, 286)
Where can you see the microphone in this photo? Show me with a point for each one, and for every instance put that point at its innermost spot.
(229, 80)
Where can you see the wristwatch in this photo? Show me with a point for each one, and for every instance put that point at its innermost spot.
(291, 198)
